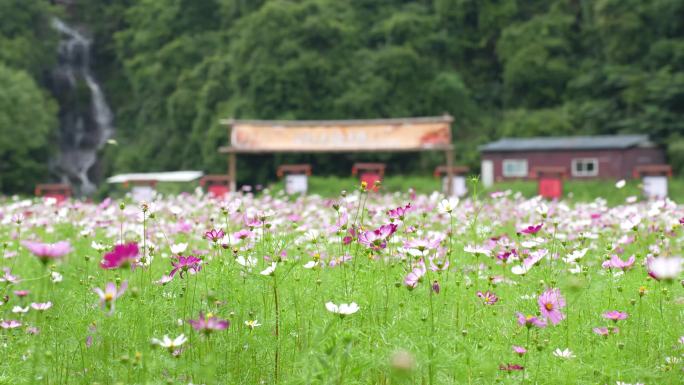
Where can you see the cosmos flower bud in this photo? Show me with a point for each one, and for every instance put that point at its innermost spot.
(435, 287)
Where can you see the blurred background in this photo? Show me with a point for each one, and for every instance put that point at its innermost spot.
(90, 88)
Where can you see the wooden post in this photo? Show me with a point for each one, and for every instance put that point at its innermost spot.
(232, 171)
(450, 171)
(232, 160)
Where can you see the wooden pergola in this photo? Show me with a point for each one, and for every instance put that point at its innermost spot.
(340, 136)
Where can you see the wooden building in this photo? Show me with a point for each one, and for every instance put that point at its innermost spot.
(582, 157)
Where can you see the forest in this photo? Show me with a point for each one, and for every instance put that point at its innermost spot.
(171, 69)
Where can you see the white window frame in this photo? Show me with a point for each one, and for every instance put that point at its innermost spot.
(584, 173)
(520, 174)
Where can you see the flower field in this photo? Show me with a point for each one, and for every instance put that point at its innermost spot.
(360, 289)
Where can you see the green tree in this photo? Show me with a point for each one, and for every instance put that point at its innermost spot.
(27, 122)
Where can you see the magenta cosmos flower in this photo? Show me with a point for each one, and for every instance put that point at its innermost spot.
(121, 256)
(185, 264)
(399, 212)
(510, 367)
(614, 315)
(110, 294)
(533, 229)
(208, 323)
(488, 297)
(550, 303)
(529, 321)
(48, 251)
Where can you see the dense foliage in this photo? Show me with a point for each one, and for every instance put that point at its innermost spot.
(173, 68)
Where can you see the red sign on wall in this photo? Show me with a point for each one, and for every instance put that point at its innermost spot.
(550, 187)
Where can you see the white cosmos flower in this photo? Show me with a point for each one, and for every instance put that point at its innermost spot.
(477, 250)
(576, 269)
(98, 246)
(19, 309)
(252, 324)
(665, 268)
(566, 353)
(542, 209)
(270, 270)
(343, 309)
(164, 280)
(632, 199)
(575, 255)
(520, 269)
(178, 248)
(446, 206)
(56, 277)
(169, 343)
(246, 262)
(310, 265)
(621, 183)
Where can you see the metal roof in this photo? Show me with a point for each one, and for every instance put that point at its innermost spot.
(602, 142)
(168, 176)
(446, 118)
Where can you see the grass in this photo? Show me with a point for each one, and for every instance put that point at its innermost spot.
(575, 190)
(399, 335)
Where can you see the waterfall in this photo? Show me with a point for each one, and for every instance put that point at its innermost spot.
(85, 117)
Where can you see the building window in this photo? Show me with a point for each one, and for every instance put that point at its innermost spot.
(515, 167)
(585, 167)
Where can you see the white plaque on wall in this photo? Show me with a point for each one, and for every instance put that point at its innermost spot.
(655, 186)
(458, 184)
(296, 183)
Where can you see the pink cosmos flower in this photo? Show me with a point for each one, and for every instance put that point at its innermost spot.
(413, 277)
(550, 303)
(214, 235)
(41, 306)
(48, 251)
(208, 323)
(532, 229)
(242, 234)
(529, 321)
(615, 315)
(435, 287)
(8, 276)
(110, 294)
(422, 246)
(488, 297)
(605, 331)
(377, 239)
(21, 293)
(10, 324)
(339, 260)
(121, 256)
(439, 264)
(185, 264)
(616, 263)
(519, 350)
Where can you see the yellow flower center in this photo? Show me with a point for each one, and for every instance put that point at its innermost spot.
(108, 297)
(549, 306)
